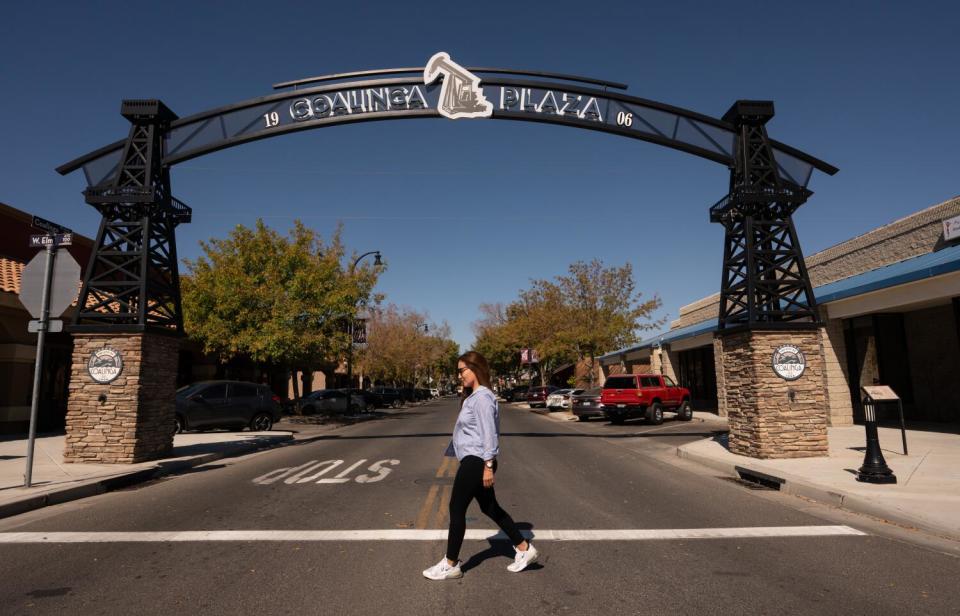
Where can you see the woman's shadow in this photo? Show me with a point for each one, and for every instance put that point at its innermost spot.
(500, 546)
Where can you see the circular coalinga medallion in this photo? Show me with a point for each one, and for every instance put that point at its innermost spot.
(789, 362)
(105, 365)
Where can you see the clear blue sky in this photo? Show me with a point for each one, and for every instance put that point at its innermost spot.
(469, 211)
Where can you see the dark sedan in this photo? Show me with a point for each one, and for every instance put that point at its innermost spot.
(329, 401)
(369, 400)
(226, 404)
(587, 404)
(516, 394)
(389, 396)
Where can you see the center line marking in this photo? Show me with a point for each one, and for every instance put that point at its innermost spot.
(424, 516)
(408, 534)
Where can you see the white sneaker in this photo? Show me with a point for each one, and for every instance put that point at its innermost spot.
(522, 560)
(443, 571)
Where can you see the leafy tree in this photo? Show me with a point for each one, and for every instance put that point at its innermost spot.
(403, 347)
(605, 311)
(575, 317)
(494, 341)
(281, 300)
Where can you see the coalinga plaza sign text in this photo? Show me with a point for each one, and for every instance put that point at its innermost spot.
(460, 96)
(401, 98)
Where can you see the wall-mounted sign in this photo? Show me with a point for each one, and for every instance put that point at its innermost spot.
(105, 365)
(951, 228)
(789, 362)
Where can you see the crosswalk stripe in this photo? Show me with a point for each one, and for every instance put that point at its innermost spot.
(412, 534)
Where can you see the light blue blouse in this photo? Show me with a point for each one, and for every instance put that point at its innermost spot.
(477, 432)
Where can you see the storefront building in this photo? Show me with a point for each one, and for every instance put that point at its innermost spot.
(17, 347)
(890, 307)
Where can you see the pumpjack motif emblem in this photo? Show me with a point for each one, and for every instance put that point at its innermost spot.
(460, 95)
(789, 362)
(105, 365)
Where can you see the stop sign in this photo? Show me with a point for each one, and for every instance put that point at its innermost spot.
(63, 288)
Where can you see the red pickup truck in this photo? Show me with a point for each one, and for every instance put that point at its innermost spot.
(633, 395)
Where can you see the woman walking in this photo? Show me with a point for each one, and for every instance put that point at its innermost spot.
(476, 444)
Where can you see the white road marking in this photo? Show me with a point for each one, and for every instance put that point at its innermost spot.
(312, 471)
(413, 534)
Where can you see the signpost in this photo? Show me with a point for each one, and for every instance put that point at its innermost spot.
(875, 469)
(48, 286)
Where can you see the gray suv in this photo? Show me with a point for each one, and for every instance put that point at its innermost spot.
(226, 404)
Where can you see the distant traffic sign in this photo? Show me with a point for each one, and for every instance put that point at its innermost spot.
(59, 239)
(63, 288)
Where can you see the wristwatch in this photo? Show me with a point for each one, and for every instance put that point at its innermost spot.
(488, 463)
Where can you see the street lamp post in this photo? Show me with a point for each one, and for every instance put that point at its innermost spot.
(416, 369)
(353, 267)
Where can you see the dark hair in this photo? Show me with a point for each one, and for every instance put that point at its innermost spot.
(478, 364)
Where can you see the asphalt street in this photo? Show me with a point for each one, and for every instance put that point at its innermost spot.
(345, 524)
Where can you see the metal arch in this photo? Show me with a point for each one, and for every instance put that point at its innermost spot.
(215, 119)
(413, 69)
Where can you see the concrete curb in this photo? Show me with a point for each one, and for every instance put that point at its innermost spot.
(821, 494)
(161, 469)
(555, 415)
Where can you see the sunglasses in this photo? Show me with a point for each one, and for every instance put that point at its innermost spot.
(462, 370)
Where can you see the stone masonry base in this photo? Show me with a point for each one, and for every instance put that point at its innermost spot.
(770, 417)
(130, 419)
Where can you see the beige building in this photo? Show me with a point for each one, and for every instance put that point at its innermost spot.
(890, 305)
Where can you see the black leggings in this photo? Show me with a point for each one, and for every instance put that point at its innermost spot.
(467, 486)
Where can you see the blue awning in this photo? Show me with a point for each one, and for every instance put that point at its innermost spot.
(911, 270)
(918, 268)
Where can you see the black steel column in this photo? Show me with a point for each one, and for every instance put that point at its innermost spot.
(765, 282)
(132, 281)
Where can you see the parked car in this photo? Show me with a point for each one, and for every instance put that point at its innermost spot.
(434, 392)
(408, 394)
(560, 399)
(537, 396)
(330, 401)
(389, 396)
(644, 395)
(368, 401)
(587, 404)
(517, 394)
(226, 404)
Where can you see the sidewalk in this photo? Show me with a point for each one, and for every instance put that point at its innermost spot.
(926, 495)
(55, 481)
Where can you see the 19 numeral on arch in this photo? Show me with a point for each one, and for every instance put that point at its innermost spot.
(272, 119)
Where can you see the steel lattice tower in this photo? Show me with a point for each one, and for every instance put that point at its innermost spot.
(765, 282)
(132, 282)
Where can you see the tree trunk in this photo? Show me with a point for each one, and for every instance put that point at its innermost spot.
(295, 377)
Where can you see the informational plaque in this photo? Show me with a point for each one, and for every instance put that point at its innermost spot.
(880, 393)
